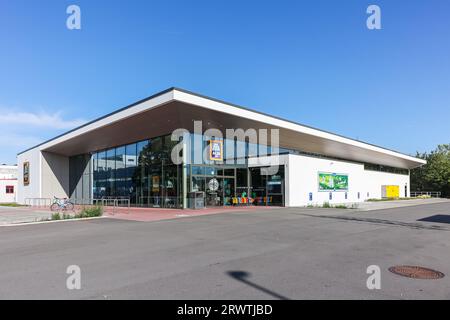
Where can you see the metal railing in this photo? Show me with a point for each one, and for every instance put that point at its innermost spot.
(160, 202)
(38, 202)
(112, 203)
(432, 194)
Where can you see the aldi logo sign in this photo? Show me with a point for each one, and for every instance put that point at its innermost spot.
(215, 150)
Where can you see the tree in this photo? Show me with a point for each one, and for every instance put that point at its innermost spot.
(435, 175)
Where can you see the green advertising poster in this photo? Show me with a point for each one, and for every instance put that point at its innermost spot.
(333, 182)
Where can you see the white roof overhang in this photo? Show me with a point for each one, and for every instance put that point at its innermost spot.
(176, 108)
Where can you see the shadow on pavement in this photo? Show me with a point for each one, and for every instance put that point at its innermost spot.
(242, 277)
(440, 218)
(382, 221)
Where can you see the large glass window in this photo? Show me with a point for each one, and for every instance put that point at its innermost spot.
(156, 151)
(170, 186)
(198, 184)
(120, 172)
(198, 170)
(155, 184)
(95, 176)
(102, 175)
(210, 171)
(142, 172)
(141, 180)
(110, 175)
(132, 172)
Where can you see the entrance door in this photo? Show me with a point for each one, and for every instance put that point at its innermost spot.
(267, 190)
(214, 191)
(275, 192)
(228, 191)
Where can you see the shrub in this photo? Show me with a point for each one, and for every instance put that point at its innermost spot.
(56, 216)
(90, 212)
(66, 216)
(326, 205)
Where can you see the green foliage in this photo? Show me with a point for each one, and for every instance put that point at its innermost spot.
(86, 212)
(56, 216)
(337, 206)
(89, 212)
(66, 216)
(11, 204)
(435, 175)
(326, 205)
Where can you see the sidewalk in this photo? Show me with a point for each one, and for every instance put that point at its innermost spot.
(156, 214)
(15, 215)
(380, 205)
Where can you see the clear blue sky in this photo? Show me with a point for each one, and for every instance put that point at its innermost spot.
(314, 62)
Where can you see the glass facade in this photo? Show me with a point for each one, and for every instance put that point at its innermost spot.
(144, 173)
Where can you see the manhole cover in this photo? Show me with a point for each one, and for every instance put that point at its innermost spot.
(416, 272)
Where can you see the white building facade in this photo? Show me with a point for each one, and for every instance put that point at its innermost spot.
(8, 184)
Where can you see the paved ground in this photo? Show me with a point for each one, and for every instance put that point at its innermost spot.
(157, 214)
(11, 216)
(18, 215)
(14, 215)
(268, 254)
(378, 205)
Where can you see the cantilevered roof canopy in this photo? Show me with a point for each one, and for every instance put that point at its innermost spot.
(176, 108)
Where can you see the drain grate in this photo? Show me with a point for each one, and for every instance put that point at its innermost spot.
(416, 272)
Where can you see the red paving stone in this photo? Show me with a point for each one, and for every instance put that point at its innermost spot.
(149, 214)
(156, 214)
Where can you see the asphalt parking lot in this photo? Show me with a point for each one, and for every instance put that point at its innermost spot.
(285, 253)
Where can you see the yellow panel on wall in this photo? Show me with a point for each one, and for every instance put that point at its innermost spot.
(392, 191)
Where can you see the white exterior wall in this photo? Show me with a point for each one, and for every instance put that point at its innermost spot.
(55, 176)
(8, 197)
(8, 177)
(302, 172)
(49, 175)
(301, 178)
(377, 179)
(33, 190)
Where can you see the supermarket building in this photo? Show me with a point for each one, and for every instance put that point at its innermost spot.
(148, 153)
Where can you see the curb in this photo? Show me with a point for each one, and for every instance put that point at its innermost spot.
(50, 221)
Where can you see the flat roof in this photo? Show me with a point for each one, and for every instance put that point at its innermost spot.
(182, 104)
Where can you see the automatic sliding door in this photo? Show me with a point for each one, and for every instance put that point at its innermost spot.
(267, 190)
(214, 191)
(228, 191)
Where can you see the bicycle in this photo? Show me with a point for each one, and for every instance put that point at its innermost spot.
(61, 204)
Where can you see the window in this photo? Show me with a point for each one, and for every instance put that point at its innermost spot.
(9, 189)
(198, 170)
(210, 171)
(241, 177)
(376, 167)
